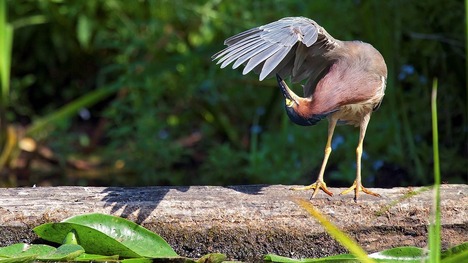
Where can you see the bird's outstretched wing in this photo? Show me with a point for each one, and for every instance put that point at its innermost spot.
(293, 46)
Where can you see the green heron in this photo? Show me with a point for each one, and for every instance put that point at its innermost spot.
(344, 80)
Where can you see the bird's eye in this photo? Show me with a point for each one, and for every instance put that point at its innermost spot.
(289, 103)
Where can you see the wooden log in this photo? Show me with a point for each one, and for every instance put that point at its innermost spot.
(244, 222)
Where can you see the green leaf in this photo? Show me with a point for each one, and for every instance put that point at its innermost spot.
(336, 258)
(70, 238)
(401, 254)
(132, 235)
(456, 254)
(11, 251)
(65, 252)
(38, 250)
(21, 249)
(85, 257)
(24, 259)
(23, 252)
(280, 259)
(116, 236)
(93, 241)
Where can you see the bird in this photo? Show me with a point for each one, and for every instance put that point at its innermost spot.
(344, 81)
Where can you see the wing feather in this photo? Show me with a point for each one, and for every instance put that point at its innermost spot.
(233, 49)
(255, 47)
(260, 57)
(273, 61)
(292, 46)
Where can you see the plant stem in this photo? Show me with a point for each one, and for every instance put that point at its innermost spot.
(434, 228)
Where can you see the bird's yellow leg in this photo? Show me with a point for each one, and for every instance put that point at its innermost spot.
(357, 185)
(320, 184)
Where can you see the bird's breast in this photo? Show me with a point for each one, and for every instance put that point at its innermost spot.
(352, 114)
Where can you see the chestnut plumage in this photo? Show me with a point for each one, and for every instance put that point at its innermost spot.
(344, 81)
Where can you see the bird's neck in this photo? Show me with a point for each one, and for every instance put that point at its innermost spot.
(303, 113)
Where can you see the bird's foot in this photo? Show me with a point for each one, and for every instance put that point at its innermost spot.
(357, 187)
(316, 186)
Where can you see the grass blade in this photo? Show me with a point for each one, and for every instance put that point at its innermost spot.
(336, 233)
(434, 228)
(6, 37)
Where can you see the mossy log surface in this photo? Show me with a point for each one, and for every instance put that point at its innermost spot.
(244, 222)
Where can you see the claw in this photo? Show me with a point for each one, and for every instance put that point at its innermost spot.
(316, 186)
(357, 187)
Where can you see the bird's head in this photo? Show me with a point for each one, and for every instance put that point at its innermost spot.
(297, 107)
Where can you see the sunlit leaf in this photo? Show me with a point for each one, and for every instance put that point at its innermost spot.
(116, 236)
(23, 259)
(137, 238)
(456, 254)
(85, 257)
(12, 250)
(65, 252)
(400, 254)
(337, 258)
(56, 232)
(71, 238)
(23, 252)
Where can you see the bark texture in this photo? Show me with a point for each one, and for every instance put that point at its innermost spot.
(244, 222)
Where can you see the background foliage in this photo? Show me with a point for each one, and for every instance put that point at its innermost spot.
(155, 110)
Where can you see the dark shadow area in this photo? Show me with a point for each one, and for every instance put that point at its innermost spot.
(255, 189)
(142, 200)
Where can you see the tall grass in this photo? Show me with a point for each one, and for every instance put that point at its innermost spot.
(6, 38)
(434, 228)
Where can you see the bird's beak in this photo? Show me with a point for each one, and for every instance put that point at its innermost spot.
(290, 97)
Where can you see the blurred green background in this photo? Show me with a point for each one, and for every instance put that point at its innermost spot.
(125, 93)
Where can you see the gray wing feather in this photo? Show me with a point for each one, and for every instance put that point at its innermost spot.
(238, 47)
(249, 53)
(251, 48)
(261, 57)
(292, 46)
(273, 61)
